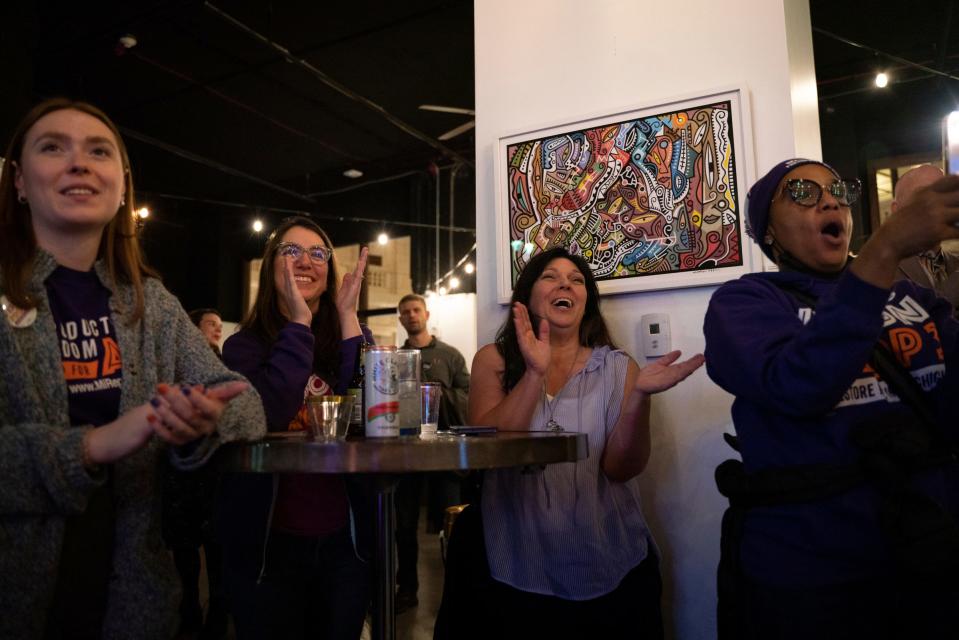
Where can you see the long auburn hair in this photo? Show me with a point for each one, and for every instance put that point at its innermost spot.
(119, 244)
(265, 319)
(593, 331)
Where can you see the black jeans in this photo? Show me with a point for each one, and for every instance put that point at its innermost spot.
(313, 587)
(477, 606)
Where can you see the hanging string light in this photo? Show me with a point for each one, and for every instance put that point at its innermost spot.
(451, 280)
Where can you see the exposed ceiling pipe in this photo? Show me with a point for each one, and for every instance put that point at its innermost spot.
(310, 214)
(453, 173)
(339, 87)
(242, 105)
(436, 261)
(213, 164)
(879, 52)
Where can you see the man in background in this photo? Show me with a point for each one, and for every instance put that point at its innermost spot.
(444, 364)
(934, 269)
(210, 324)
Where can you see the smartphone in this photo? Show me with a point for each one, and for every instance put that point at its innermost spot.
(471, 431)
(950, 143)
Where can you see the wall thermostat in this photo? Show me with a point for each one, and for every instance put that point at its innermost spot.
(655, 335)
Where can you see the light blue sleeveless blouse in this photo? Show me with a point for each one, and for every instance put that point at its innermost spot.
(566, 530)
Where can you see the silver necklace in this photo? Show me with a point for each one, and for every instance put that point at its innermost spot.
(551, 424)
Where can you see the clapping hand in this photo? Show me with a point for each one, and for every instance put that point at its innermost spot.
(348, 296)
(535, 349)
(185, 413)
(176, 414)
(291, 298)
(666, 373)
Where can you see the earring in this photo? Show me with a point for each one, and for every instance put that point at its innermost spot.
(123, 200)
(22, 199)
(768, 239)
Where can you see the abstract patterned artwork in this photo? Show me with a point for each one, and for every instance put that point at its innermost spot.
(651, 195)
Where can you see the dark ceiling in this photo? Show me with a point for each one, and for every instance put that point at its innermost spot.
(280, 98)
(238, 106)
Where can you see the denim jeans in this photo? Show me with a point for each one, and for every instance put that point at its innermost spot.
(313, 587)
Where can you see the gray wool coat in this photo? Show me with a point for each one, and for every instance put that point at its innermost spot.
(42, 477)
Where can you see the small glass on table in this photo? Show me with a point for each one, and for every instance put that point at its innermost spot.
(329, 416)
(430, 394)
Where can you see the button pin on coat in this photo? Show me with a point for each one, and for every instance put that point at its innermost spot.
(17, 317)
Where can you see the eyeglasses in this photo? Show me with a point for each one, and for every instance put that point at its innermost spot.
(807, 193)
(317, 253)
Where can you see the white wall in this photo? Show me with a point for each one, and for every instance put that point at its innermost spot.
(548, 61)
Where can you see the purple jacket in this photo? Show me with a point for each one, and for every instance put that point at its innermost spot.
(801, 385)
(279, 371)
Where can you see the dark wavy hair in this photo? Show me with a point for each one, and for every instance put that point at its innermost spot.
(119, 243)
(265, 319)
(593, 331)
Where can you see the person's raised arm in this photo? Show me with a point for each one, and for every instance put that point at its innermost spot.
(929, 217)
(628, 447)
(348, 297)
(489, 404)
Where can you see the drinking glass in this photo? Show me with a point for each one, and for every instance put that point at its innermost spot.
(431, 394)
(408, 378)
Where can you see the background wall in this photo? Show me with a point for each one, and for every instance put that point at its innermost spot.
(547, 61)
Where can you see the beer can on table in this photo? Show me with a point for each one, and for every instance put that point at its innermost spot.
(381, 393)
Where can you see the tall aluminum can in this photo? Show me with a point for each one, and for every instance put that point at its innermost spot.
(381, 393)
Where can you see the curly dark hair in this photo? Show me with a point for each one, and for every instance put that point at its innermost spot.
(593, 331)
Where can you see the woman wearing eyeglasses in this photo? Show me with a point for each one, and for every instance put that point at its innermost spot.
(838, 467)
(291, 561)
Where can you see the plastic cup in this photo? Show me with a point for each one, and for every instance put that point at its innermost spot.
(408, 382)
(329, 416)
(430, 393)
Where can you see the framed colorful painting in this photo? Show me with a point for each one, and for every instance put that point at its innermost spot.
(652, 198)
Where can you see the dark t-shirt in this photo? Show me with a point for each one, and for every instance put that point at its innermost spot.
(80, 305)
(91, 358)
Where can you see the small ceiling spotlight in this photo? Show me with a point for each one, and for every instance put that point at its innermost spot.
(382, 238)
(469, 268)
(127, 41)
(454, 282)
(353, 173)
(143, 213)
(257, 225)
(882, 79)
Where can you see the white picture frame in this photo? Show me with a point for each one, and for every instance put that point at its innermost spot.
(546, 162)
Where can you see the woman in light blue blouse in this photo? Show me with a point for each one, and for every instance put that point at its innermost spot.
(567, 549)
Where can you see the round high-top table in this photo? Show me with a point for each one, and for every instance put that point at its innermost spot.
(384, 460)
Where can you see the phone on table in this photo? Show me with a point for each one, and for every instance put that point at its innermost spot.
(464, 430)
